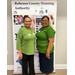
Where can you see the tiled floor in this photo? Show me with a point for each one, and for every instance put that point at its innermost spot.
(58, 72)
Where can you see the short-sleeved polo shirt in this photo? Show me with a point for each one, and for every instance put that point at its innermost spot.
(42, 38)
(26, 41)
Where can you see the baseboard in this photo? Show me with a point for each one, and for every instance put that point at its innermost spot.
(10, 67)
(60, 66)
(57, 66)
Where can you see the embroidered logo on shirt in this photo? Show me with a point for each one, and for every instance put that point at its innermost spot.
(51, 35)
(33, 33)
(29, 34)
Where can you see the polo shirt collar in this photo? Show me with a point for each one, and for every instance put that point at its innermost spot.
(45, 27)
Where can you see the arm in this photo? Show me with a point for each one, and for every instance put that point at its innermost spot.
(19, 37)
(50, 35)
(20, 54)
(20, 51)
(50, 45)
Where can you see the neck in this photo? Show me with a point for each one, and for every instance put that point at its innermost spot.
(28, 28)
(43, 27)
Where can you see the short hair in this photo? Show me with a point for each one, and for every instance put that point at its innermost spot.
(26, 16)
(45, 17)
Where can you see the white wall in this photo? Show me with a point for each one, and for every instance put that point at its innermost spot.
(61, 33)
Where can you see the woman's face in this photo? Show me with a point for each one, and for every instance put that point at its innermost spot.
(44, 22)
(27, 22)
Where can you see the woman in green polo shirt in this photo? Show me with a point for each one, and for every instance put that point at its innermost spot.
(45, 40)
(25, 45)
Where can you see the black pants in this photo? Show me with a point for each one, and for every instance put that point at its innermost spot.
(28, 59)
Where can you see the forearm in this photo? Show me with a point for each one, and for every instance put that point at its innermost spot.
(50, 45)
(20, 54)
(20, 51)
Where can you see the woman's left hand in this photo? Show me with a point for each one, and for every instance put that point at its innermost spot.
(48, 55)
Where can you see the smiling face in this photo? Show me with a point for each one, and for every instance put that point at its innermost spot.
(27, 22)
(44, 22)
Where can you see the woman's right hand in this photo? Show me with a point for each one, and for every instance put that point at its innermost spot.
(20, 56)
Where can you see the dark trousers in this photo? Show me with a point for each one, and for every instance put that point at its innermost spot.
(28, 59)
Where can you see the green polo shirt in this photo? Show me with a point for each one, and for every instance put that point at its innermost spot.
(42, 38)
(26, 41)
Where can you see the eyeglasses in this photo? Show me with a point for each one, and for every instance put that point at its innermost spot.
(44, 21)
(27, 21)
